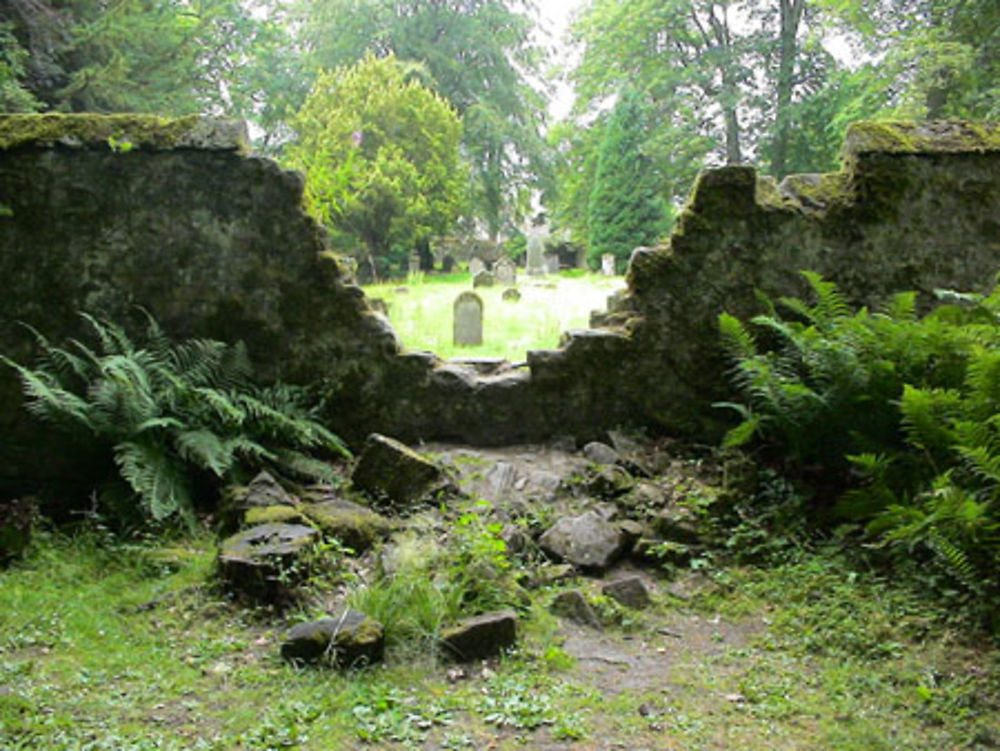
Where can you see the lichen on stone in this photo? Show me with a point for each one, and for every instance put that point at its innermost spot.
(120, 132)
(901, 137)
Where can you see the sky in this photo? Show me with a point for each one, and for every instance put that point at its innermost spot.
(556, 16)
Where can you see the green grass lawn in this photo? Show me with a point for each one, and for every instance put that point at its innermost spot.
(422, 315)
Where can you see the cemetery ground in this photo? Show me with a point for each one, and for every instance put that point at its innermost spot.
(421, 311)
(107, 643)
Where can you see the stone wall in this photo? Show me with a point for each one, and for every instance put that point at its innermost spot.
(103, 214)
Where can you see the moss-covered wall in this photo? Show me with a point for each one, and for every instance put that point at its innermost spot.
(102, 214)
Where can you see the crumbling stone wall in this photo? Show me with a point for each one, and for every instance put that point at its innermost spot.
(106, 213)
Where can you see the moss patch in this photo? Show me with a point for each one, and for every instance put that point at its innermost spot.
(117, 132)
(898, 137)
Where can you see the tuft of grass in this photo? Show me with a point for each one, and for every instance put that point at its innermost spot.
(422, 315)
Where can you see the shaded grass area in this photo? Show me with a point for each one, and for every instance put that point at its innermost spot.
(107, 646)
(422, 314)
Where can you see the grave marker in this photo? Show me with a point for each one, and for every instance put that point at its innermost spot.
(468, 320)
(476, 265)
(608, 264)
(505, 272)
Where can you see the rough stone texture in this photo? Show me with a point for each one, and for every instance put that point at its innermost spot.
(388, 470)
(572, 605)
(211, 241)
(214, 242)
(600, 453)
(263, 496)
(348, 641)
(480, 637)
(352, 524)
(630, 591)
(677, 524)
(272, 515)
(587, 541)
(260, 562)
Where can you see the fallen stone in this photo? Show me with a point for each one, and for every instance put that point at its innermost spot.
(587, 541)
(677, 524)
(349, 641)
(480, 637)
(600, 453)
(573, 606)
(645, 497)
(260, 562)
(546, 575)
(389, 470)
(609, 481)
(263, 491)
(629, 591)
(354, 525)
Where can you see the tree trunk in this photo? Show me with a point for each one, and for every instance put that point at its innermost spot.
(791, 17)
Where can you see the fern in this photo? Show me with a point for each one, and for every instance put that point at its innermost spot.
(166, 412)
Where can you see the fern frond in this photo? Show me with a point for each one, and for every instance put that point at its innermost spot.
(204, 449)
(229, 410)
(737, 341)
(830, 303)
(902, 307)
(155, 477)
(305, 466)
(927, 415)
(46, 399)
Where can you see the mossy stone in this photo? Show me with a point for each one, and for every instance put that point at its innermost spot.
(349, 641)
(352, 524)
(270, 515)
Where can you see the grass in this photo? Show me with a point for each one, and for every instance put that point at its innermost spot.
(129, 647)
(422, 315)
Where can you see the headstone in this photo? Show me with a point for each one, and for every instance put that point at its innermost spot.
(551, 263)
(468, 320)
(536, 251)
(448, 264)
(476, 265)
(511, 294)
(483, 279)
(414, 264)
(608, 264)
(505, 272)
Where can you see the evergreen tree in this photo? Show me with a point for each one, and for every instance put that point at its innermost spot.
(626, 208)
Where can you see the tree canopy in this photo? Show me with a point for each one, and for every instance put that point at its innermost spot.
(381, 154)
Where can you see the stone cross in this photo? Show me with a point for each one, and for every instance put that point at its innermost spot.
(608, 264)
(505, 272)
(468, 320)
(476, 265)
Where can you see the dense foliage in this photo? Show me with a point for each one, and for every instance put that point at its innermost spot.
(900, 412)
(381, 154)
(173, 417)
(626, 208)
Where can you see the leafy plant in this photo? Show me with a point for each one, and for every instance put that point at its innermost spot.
(172, 414)
(900, 413)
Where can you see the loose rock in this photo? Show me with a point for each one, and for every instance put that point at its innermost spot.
(480, 637)
(630, 591)
(260, 562)
(349, 641)
(587, 541)
(573, 606)
(390, 470)
(600, 453)
(351, 523)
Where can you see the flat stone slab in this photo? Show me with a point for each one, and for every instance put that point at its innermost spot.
(348, 641)
(257, 561)
(480, 637)
(573, 606)
(587, 541)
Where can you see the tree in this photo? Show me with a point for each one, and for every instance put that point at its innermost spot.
(480, 56)
(626, 208)
(381, 154)
(14, 97)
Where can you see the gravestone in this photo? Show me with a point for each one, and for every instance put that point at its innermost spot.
(551, 263)
(476, 266)
(483, 279)
(468, 320)
(608, 264)
(505, 272)
(536, 251)
(511, 295)
(414, 264)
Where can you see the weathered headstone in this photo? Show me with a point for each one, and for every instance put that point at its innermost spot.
(476, 265)
(468, 320)
(536, 251)
(608, 264)
(551, 263)
(505, 272)
(414, 264)
(511, 295)
(483, 279)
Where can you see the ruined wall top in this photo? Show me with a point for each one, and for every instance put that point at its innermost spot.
(121, 132)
